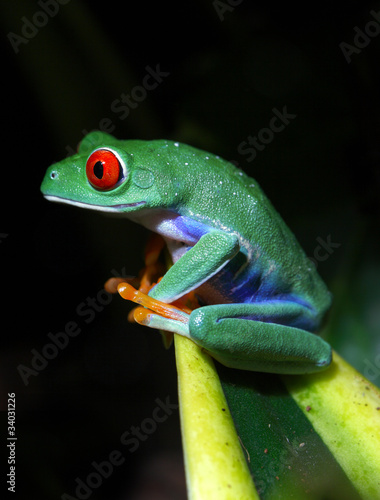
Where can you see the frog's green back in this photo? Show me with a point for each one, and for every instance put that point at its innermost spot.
(213, 191)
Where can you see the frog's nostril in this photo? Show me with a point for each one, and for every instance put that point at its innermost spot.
(54, 175)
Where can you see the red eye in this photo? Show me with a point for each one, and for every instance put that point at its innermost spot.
(103, 169)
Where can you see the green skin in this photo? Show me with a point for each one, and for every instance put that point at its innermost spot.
(261, 298)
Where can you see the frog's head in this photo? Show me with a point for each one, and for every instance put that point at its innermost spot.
(104, 175)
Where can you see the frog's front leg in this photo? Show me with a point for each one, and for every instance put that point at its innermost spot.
(205, 259)
(260, 337)
(212, 252)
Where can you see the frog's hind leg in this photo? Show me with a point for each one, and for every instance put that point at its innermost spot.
(260, 337)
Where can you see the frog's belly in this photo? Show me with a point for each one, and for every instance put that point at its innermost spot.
(239, 283)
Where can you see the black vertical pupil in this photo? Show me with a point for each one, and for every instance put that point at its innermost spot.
(98, 169)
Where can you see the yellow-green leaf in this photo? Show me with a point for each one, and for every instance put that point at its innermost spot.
(214, 460)
(344, 409)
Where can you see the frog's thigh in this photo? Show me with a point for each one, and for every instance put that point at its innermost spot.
(252, 344)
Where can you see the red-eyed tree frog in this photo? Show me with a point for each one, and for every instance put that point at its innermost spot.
(261, 299)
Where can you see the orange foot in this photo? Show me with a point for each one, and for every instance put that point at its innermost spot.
(151, 311)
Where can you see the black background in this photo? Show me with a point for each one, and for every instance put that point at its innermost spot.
(225, 78)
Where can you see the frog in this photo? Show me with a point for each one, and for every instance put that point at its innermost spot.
(261, 302)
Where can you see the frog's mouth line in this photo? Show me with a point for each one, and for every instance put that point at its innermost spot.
(102, 208)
